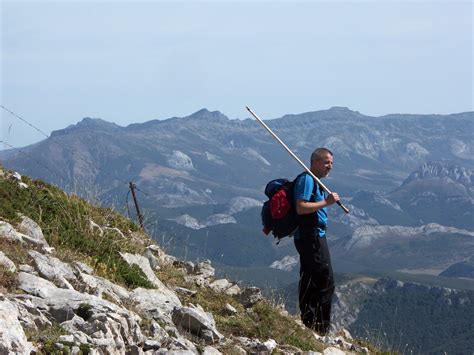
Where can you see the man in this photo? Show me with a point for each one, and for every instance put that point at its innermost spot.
(316, 286)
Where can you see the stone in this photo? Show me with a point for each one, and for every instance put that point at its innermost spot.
(54, 269)
(151, 345)
(233, 290)
(82, 268)
(33, 315)
(30, 228)
(157, 303)
(184, 291)
(66, 339)
(209, 350)
(205, 269)
(7, 263)
(27, 268)
(99, 286)
(229, 310)
(333, 351)
(220, 285)
(153, 260)
(195, 321)
(16, 176)
(269, 345)
(91, 320)
(346, 334)
(188, 266)
(250, 296)
(9, 233)
(163, 258)
(12, 336)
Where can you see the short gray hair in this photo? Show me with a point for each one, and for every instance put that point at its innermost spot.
(320, 153)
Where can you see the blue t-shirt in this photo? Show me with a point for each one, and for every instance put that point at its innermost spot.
(304, 189)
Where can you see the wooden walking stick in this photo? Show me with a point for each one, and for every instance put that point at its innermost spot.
(344, 208)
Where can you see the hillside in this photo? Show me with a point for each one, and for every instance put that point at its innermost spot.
(76, 278)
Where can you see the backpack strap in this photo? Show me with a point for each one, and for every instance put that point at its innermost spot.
(310, 219)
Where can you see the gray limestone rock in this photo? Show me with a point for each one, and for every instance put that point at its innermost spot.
(209, 350)
(249, 296)
(27, 268)
(89, 319)
(163, 258)
(12, 336)
(54, 270)
(157, 303)
(220, 285)
(229, 310)
(333, 351)
(9, 233)
(82, 268)
(195, 321)
(7, 263)
(99, 286)
(32, 230)
(233, 290)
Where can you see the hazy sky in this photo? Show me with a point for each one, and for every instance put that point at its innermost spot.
(129, 62)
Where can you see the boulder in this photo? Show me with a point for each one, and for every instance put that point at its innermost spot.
(249, 296)
(54, 270)
(30, 228)
(99, 286)
(195, 321)
(333, 351)
(163, 258)
(209, 350)
(7, 263)
(12, 337)
(157, 303)
(233, 290)
(9, 233)
(229, 310)
(220, 285)
(91, 320)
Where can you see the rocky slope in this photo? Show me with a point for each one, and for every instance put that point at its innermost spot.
(60, 294)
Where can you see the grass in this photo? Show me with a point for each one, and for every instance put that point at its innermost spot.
(65, 222)
(47, 338)
(8, 280)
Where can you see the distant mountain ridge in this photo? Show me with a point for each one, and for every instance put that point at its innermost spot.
(375, 152)
(393, 171)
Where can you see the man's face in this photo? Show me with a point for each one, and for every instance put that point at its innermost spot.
(322, 167)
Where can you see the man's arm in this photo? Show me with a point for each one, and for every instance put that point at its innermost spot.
(305, 207)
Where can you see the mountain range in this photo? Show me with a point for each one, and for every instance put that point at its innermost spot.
(406, 178)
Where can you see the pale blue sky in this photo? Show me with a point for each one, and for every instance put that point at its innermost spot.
(130, 62)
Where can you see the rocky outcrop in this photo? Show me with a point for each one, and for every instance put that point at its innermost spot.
(12, 336)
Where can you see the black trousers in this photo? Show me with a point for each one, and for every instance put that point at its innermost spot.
(316, 285)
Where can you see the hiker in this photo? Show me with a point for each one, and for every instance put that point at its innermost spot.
(316, 285)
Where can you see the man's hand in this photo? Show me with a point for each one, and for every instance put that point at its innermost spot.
(332, 198)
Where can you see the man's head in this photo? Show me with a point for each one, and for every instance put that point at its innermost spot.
(321, 162)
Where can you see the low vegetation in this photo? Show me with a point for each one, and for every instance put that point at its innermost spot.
(66, 221)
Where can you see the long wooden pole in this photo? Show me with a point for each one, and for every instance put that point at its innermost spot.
(344, 208)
